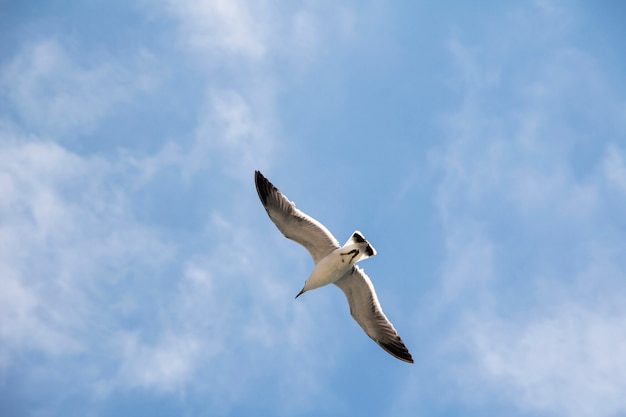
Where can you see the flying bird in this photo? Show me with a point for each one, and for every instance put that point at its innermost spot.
(334, 264)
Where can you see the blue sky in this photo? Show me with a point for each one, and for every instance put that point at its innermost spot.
(481, 148)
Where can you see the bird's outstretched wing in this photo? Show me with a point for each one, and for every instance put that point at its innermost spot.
(366, 310)
(293, 223)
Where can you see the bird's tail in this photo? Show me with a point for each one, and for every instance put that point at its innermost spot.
(367, 249)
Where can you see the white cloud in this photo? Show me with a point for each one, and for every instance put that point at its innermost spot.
(239, 128)
(222, 26)
(244, 49)
(533, 249)
(568, 362)
(52, 92)
(66, 233)
(28, 322)
(469, 267)
(251, 37)
(234, 135)
(305, 31)
(614, 167)
(166, 366)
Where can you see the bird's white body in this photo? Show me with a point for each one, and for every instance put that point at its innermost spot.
(337, 263)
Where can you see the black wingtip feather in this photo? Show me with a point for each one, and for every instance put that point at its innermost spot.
(397, 350)
(263, 186)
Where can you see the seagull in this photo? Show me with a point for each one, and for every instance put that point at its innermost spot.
(334, 264)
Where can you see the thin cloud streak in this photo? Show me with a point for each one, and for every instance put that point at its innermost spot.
(535, 335)
(54, 93)
(569, 361)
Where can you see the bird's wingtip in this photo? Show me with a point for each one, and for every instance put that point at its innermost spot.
(397, 350)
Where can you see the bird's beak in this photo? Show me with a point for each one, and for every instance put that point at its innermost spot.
(300, 293)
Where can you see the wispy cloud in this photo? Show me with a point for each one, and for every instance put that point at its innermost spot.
(165, 365)
(614, 167)
(53, 92)
(66, 233)
(245, 51)
(567, 361)
(221, 33)
(224, 27)
(532, 245)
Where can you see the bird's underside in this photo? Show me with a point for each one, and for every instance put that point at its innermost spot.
(356, 285)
